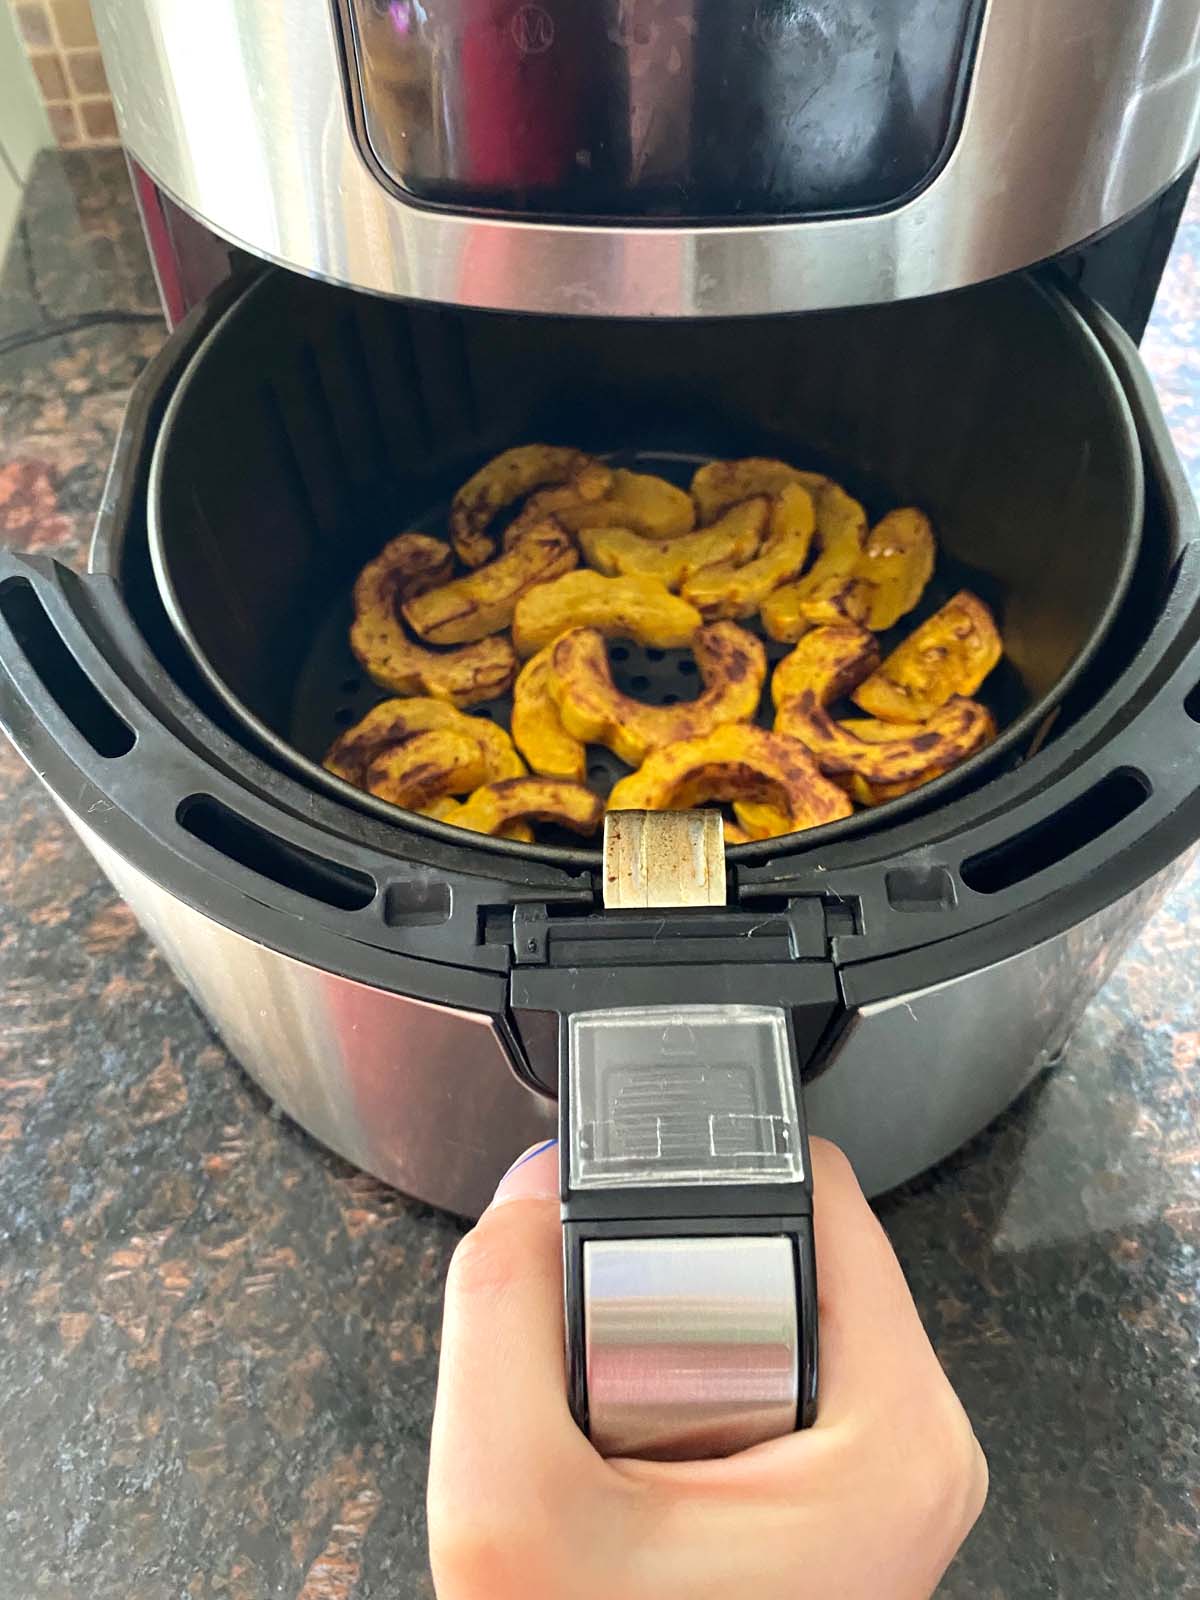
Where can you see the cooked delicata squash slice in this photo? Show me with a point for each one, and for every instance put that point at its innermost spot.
(497, 806)
(565, 502)
(721, 484)
(732, 666)
(950, 654)
(406, 566)
(439, 810)
(647, 504)
(641, 609)
(828, 661)
(501, 483)
(392, 724)
(537, 726)
(871, 770)
(793, 515)
(730, 542)
(425, 768)
(462, 677)
(740, 591)
(896, 562)
(830, 591)
(756, 819)
(483, 602)
(738, 763)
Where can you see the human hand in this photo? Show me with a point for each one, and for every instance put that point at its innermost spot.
(871, 1503)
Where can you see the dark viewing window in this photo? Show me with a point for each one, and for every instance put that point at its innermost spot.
(686, 109)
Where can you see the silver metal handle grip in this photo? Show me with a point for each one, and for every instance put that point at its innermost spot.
(691, 1346)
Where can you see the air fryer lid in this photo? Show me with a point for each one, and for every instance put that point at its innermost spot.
(313, 424)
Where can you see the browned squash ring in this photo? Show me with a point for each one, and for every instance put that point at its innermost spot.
(462, 677)
(537, 726)
(732, 592)
(392, 722)
(732, 665)
(871, 771)
(828, 661)
(730, 542)
(721, 484)
(502, 481)
(483, 602)
(641, 609)
(406, 566)
(642, 501)
(497, 806)
(830, 592)
(425, 768)
(734, 763)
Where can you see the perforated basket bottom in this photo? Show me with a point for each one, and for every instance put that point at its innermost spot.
(332, 691)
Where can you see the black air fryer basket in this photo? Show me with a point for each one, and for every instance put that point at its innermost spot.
(314, 424)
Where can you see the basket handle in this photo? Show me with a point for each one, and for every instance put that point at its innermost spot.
(686, 1194)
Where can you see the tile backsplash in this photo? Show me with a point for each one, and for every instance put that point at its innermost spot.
(60, 39)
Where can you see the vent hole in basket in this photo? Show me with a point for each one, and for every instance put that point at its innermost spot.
(1087, 818)
(640, 683)
(344, 716)
(64, 680)
(687, 668)
(1192, 704)
(597, 772)
(619, 652)
(417, 903)
(284, 863)
(656, 655)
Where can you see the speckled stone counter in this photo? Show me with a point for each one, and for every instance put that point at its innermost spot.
(218, 1343)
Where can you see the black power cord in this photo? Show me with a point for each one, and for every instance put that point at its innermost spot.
(85, 320)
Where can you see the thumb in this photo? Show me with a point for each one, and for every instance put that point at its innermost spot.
(502, 1415)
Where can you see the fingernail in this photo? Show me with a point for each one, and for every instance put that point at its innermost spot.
(528, 1178)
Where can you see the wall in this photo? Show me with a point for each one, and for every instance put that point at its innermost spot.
(61, 44)
(23, 126)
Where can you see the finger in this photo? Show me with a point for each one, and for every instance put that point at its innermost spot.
(872, 1344)
(876, 1367)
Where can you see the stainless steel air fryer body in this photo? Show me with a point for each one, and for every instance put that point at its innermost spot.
(657, 157)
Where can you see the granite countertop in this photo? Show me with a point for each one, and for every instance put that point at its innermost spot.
(218, 1343)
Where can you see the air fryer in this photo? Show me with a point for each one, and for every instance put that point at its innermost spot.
(533, 223)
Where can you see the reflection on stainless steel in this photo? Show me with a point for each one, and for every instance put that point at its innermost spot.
(691, 1344)
(917, 1076)
(423, 1096)
(658, 87)
(1079, 111)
